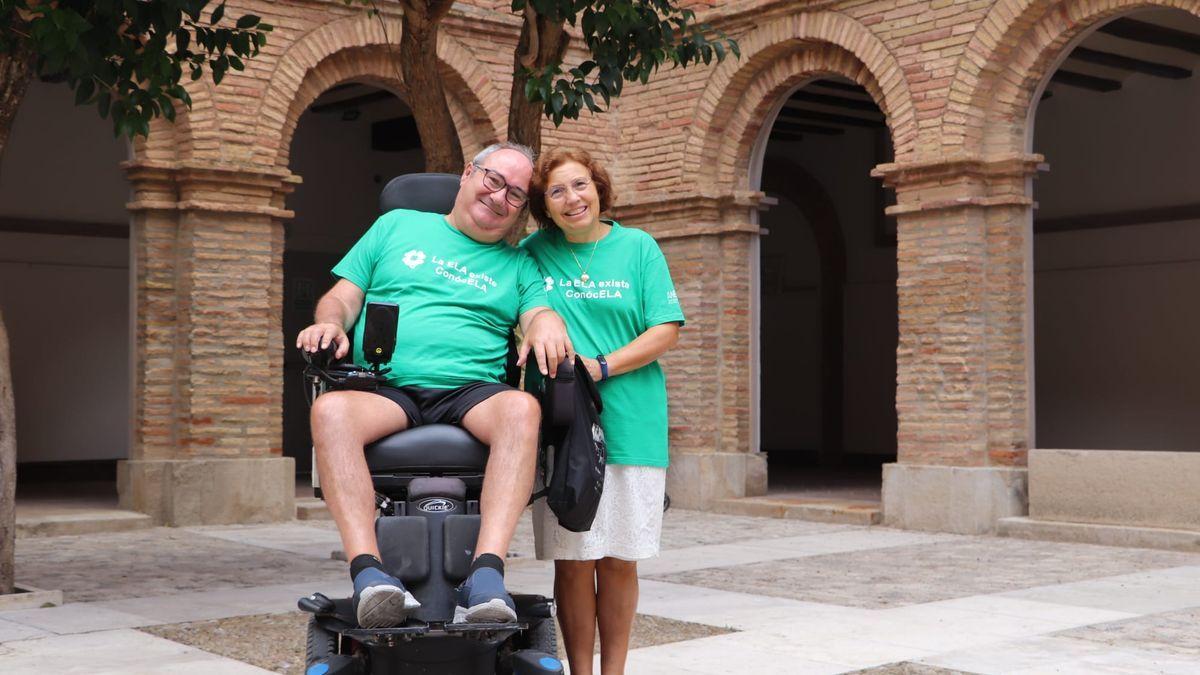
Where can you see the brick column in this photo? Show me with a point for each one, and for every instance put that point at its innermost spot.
(709, 245)
(208, 257)
(964, 365)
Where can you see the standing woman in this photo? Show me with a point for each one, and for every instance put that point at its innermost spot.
(612, 287)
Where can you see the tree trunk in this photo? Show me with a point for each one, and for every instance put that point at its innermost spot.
(426, 96)
(8, 466)
(16, 71)
(525, 118)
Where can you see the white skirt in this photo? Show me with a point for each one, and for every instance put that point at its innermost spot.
(628, 522)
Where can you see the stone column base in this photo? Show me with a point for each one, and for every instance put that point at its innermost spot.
(697, 479)
(209, 491)
(964, 500)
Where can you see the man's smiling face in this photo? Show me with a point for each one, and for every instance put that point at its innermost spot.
(482, 214)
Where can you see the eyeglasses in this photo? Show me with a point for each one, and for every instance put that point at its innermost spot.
(494, 182)
(559, 192)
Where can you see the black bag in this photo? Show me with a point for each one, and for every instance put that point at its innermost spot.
(575, 453)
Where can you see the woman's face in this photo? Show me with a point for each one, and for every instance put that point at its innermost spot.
(571, 198)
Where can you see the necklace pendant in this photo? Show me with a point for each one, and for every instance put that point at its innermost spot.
(584, 277)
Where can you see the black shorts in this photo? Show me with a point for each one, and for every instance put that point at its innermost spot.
(440, 406)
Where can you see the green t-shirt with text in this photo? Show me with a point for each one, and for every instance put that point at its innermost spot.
(629, 290)
(459, 299)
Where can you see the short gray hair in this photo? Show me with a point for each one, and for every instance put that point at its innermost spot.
(506, 145)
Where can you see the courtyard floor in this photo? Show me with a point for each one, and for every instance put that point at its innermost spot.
(729, 594)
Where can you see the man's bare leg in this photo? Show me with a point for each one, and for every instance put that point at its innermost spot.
(508, 423)
(342, 423)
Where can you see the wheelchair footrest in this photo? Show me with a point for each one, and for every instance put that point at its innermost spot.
(492, 633)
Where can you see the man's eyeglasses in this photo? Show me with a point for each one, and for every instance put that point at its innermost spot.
(559, 192)
(494, 182)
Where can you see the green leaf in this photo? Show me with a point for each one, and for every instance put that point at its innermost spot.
(217, 14)
(84, 91)
(248, 21)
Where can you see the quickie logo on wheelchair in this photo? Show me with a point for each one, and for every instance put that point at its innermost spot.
(435, 505)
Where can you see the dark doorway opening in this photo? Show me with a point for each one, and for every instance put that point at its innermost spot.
(348, 144)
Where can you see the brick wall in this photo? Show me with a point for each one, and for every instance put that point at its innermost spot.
(954, 78)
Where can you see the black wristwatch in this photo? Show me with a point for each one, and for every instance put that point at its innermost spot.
(603, 367)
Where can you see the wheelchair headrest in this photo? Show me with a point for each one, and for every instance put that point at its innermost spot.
(430, 192)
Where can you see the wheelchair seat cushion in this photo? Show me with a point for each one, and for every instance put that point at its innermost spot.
(434, 448)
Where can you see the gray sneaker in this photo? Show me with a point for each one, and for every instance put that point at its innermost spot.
(482, 599)
(380, 600)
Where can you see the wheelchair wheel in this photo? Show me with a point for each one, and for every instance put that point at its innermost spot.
(321, 643)
(540, 637)
(543, 637)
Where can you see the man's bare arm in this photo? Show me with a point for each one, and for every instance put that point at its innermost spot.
(336, 311)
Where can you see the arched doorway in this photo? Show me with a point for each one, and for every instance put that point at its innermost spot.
(65, 290)
(827, 310)
(348, 143)
(1116, 254)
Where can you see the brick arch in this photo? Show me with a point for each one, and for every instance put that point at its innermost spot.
(175, 141)
(777, 57)
(1001, 75)
(355, 49)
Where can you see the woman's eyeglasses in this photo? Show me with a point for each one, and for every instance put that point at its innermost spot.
(559, 192)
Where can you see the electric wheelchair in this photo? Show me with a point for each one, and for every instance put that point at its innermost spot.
(427, 482)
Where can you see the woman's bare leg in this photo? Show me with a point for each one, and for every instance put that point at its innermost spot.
(616, 603)
(575, 595)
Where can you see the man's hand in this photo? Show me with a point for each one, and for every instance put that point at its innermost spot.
(319, 335)
(546, 335)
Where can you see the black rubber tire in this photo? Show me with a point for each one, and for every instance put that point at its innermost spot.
(321, 643)
(542, 637)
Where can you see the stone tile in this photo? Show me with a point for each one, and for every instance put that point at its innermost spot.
(940, 629)
(75, 618)
(294, 538)
(219, 604)
(1175, 632)
(683, 528)
(1138, 593)
(673, 561)
(12, 630)
(727, 609)
(1066, 615)
(157, 562)
(721, 655)
(928, 572)
(1060, 655)
(115, 652)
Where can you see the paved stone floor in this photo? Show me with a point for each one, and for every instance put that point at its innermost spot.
(781, 597)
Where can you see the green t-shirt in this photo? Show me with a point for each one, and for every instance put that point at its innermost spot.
(629, 290)
(459, 299)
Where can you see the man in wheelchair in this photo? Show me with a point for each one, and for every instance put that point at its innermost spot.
(460, 289)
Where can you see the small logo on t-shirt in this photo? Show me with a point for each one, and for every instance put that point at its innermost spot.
(414, 258)
(549, 284)
(672, 297)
